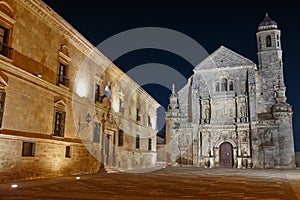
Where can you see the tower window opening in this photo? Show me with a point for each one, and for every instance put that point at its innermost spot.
(217, 87)
(268, 41)
(224, 84)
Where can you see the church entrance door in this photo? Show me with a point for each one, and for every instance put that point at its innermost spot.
(226, 155)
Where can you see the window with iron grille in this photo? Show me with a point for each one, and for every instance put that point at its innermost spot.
(137, 142)
(28, 149)
(2, 102)
(5, 50)
(97, 93)
(62, 75)
(138, 117)
(149, 121)
(149, 144)
(121, 138)
(68, 152)
(59, 123)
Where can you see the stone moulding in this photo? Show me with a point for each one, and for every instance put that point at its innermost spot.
(52, 17)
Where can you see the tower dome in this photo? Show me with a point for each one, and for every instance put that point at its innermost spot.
(267, 24)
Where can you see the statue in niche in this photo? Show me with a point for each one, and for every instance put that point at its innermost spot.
(244, 136)
(266, 138)
(234, 135)
(242, 111)
(219, 113)
(184, 140)
(230, 112)
(252, 89)
(206, 113)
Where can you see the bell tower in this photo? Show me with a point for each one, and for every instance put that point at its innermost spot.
(270, 64)
(273, 89)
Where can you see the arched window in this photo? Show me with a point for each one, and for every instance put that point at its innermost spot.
(217, 87)
(231, 86)
(268, 41)
(224, 84)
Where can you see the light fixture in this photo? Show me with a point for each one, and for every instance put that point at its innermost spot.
(77, 178)
(14, 186)
(88, 119)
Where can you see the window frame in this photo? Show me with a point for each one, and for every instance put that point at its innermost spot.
(149, 144)
(138, 117)
(217, 87)
(62, 75)
(59, 123)
(137, 141)
(28, 152)
(68, 152)
(230, 86)
(120, 138)
(97, 92)
(224, 85)
(268, 41)
(2, 105)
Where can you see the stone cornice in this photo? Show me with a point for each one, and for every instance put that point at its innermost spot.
(44, 11)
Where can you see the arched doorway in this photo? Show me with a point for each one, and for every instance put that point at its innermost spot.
(226, 155)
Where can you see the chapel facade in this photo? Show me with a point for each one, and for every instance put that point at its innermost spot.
(232, 112)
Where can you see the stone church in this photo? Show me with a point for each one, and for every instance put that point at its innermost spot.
(232, 112)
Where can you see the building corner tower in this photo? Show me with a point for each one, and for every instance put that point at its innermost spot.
(172, 126)
(272, 90)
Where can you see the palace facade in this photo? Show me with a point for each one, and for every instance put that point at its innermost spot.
(65, 108)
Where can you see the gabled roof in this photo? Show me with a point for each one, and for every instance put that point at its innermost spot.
(223, 57)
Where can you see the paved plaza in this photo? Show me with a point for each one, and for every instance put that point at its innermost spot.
(168, 183)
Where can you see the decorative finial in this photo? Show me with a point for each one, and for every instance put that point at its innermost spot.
(267, 14)
(173, 88)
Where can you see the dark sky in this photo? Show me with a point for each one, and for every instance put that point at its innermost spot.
(211, 24)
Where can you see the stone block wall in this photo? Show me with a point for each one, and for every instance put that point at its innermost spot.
(41, 40)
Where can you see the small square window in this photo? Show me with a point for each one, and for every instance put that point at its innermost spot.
(28, 149)
(68, 152)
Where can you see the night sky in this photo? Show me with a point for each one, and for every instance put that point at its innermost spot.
(211, 24)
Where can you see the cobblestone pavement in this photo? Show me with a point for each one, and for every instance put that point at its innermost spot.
(168, 183)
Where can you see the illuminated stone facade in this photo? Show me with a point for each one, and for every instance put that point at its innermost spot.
(55, 119)
(232, 112)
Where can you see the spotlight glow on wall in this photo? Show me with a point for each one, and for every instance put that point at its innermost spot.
(82, 89)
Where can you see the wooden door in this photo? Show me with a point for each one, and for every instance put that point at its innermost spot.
(107, 147)
(226, 155)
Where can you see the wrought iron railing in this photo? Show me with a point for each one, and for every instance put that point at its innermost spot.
(5, 50)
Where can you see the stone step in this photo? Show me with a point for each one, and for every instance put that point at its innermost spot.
(110, 169)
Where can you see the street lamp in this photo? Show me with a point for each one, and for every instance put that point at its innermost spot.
(88, 119)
